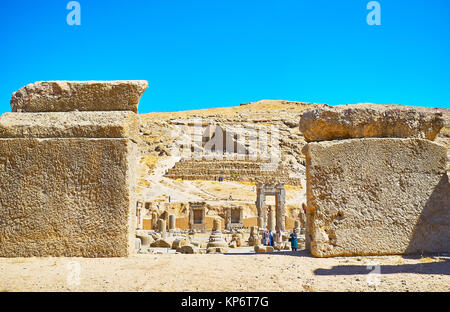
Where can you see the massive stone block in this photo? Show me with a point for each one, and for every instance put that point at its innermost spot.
(64, 96)
(377, 196)
(342, 122)
(70, 125)
(67, 197)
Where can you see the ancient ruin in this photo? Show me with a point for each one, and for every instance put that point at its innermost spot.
(68, 170)
(216, 241)
(234, 218)
(376, 182)
(243, 169)
(197, 216)
(271, 189)
(139, 215)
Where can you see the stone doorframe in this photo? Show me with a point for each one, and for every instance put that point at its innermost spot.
(197, 207)
(229, 224)
(271, 189)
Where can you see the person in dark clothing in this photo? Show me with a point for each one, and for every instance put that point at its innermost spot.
(293, 240)
(271, 240)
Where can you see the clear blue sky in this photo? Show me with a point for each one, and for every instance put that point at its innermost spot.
(212, 53)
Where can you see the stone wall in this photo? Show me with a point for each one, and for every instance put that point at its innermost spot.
(147, 224)
(210, 220)
(231, 170)
(182, 223)
(376, 196)
(67, 179)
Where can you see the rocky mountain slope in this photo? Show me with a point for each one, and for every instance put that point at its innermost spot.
(160, 138)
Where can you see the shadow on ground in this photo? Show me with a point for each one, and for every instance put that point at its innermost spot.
(442, 267)
(299, 253)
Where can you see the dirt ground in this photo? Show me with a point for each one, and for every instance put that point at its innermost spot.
(240, 271)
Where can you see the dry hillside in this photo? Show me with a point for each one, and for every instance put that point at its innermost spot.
(158, 148)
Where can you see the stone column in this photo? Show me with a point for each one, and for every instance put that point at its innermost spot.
(241, 215)
(261, 222)
(172, 222)
(217, 224)
(271, 219)
(162, 225)
(228, 218)
(191, 217)
(138, 215)
(280, 210)
(260, 204)
(154, 220)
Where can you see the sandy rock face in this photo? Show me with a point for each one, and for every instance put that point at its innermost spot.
(343, 122)
(377, 196)
(64, 96)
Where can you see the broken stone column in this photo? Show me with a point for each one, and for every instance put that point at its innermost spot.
(217, 242)
(375, 182)
(162, 226)
(68, 158)
(172, 222)
(154, 220)
(254, 238)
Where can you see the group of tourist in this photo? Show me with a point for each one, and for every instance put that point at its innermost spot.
(269, 239)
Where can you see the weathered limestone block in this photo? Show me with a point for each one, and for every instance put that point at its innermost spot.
(286, 246)
(237, 238)
(67, 197)
(154, 220)
(263, 249)
(146, 239)
(155, 235)
(65, 96)
(271, 220)
(188, 249)
(70, 125)
(377, 196)
(179, 242)
(163, 242)
(333, 123)
(213, 250)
